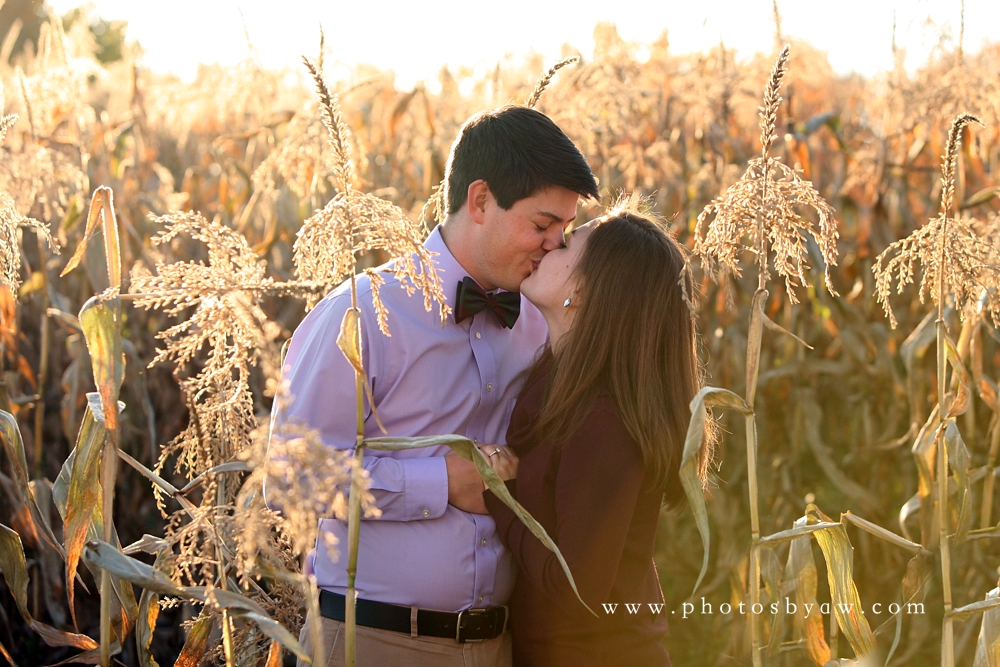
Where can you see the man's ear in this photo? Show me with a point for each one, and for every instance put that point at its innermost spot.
(479, 196)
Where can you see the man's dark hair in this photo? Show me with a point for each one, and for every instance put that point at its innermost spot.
(518, 152)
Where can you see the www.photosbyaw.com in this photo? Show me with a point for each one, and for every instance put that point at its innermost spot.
(790, 607)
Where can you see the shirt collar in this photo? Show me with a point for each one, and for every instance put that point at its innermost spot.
(449, 269)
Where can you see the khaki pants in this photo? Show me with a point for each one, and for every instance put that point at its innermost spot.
(385, 648)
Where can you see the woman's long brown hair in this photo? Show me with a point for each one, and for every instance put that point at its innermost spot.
(633, 339)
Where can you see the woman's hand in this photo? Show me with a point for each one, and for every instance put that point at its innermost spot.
(502, 459)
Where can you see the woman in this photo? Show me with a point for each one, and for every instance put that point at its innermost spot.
(595, 442)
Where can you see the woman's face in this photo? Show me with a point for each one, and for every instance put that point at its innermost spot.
(554, 281)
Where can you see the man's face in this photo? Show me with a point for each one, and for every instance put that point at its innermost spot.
(516, 240)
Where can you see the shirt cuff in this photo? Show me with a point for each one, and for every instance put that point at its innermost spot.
(425, 482)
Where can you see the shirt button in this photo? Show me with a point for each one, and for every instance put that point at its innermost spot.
(478, 335)
(427, 512)
(489, 387)
(480, 598)
(484, 541)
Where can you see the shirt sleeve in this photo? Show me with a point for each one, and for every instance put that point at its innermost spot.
(321, 395)
(598, 480)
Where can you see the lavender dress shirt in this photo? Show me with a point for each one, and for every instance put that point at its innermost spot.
(426, 380)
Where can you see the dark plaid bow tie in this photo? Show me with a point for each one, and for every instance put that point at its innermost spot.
(472, 299)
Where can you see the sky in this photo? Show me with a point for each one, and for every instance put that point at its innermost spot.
(415, 38)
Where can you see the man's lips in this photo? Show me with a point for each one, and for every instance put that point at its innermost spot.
(534, 265)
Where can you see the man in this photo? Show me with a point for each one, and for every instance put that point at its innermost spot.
(512, 184)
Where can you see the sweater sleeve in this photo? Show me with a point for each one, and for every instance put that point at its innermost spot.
(598, 480)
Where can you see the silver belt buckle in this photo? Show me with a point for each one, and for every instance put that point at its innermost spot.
(458, 625)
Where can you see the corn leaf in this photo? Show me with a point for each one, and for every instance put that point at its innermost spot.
(349, 342)
(101, 322)
(349, 339)
(846, 603)
(114, 561)
(6, 655)
(79, 495)
(799, 530)
(909, 507)
(958, 459)
(108, 558)
(273, 655)
(708, 396)
(924, 450)
(968, 611)
(985, 385)
(91, 657)
(276, 631)
(468, 451)
(912, 350)
(15, 572)
(777, 328)
(149, 611)
(101, 210)
(988, 645)
(882, 533)
(981, 197)
(13, 449)
(962, 396)
(801, 570)
(196, 643)
(754, 336)
(149, 608)
(770, 572)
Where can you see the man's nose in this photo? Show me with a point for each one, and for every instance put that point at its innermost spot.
(553, 237)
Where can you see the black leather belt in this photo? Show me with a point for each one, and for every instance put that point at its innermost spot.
(469, 625)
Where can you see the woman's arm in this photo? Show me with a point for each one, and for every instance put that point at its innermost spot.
(598, 481)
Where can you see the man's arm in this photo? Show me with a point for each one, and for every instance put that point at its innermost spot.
(322, 396)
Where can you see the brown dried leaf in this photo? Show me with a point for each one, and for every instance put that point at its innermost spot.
(101, 211)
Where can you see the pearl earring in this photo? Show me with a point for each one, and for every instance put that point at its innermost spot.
(568, 301)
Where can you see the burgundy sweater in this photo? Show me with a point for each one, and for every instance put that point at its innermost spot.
(593, 498)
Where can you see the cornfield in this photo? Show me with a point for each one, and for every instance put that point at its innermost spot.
(160, 241)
